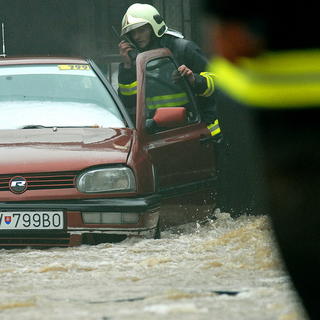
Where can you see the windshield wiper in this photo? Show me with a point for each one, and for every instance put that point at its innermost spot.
(40, 126)
(34, 126)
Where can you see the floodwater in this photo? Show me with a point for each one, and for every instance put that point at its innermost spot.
(225, 269)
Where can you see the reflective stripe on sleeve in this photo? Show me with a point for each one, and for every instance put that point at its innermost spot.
(214, 128)
(210, 83)
(170, 100)
(128, 89)
(280, 80)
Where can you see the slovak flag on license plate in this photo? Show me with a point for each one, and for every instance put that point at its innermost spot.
(7, 219)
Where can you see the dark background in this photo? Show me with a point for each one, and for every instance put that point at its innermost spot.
(83, 27)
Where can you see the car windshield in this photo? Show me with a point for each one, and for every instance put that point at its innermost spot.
(55, 95)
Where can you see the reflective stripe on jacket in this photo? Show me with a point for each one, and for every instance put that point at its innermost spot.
(209, 76)
(170, 100)
(128, 89)
(280, 80)
(214, 128)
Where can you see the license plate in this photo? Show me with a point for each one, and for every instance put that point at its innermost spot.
(31, 220)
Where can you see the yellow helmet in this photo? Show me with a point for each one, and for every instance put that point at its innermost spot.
(140, 14)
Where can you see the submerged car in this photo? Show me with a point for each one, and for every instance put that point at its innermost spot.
(74, 168)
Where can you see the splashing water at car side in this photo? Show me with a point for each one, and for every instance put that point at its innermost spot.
(225, 269)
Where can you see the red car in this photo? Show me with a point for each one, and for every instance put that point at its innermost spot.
(74, 168)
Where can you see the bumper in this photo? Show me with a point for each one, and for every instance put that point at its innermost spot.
(111, 204)
(147, 208)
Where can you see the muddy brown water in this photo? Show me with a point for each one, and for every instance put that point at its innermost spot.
(225, 269)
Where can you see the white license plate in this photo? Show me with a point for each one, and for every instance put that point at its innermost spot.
(31, 220)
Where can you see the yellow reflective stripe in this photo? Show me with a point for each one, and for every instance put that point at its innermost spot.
(210, 83)
(276, 80)
(214, 128)
(170, 100)
(128, 89)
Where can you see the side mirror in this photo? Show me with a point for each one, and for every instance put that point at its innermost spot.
(170, 117)
(166, 118)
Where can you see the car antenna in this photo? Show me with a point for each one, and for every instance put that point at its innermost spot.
(3, 54)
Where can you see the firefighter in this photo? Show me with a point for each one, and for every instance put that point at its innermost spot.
(144, 29)
(267, 63)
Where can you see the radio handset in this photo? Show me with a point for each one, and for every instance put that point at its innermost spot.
(132, 53)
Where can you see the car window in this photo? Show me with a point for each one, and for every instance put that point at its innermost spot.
(55, 95)
(166, 88)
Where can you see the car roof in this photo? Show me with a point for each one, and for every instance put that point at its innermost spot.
(42, 60)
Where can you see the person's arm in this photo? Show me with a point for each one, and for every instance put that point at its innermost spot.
(127, 84)
(195, 70)
(127, 89)
(203, 86)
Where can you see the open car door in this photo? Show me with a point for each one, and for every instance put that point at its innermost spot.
(179, 145)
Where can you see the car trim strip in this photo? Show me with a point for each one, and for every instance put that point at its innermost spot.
(170, 192)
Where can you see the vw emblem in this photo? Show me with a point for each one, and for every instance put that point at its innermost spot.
(18, 185)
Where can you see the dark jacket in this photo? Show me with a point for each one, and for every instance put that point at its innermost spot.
(185, 52)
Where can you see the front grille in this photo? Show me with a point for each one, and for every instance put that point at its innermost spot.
(34, 240)
(38, 181)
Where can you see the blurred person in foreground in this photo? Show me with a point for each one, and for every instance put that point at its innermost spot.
(266, 59)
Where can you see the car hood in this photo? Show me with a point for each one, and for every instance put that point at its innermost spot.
(64, 149)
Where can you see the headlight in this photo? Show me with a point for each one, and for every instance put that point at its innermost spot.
(106, 180)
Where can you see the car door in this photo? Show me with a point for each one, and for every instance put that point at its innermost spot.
(182, 153)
